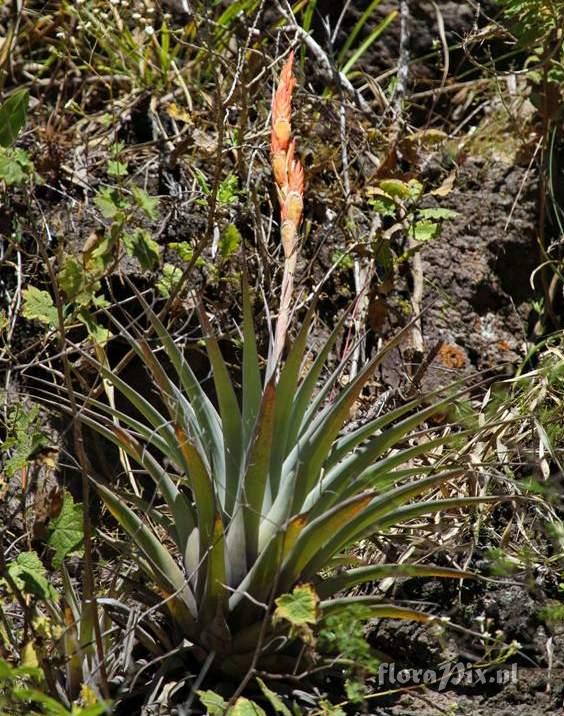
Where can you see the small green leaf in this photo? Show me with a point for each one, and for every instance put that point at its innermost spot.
(116, 168)
(227, 192)
(383, 205)
(13, 114)
(425, 230)
(396, 188)
(438, 213)
(143, 247)
(415, 189)
(65, 531)
(245, 707)
(229, 241)
(38, 306)
(343, 259)
(23, 437)
(329, 709)
(15, 166)
(97, 333)
(148, 204)
(186, 252)
(71, 278)
(109, 201)
(170, 278)
(275, 701)
(30, 576)
(116, 149)
(214, 703)
(202, 181)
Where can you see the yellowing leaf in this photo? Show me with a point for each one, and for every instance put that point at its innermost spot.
(395, 187)
(178, 113)
(428, 137)
(30, 576)
(88, 695)
(299, 607)
(447, 186)
(38, 306)
(29, 656)
(214, 703)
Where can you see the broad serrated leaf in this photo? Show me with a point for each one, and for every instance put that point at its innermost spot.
(65, 531)
(109, 201)
(13, 114)
(15, 166)
(214, 703)
(383, 205)
(425, 230)
(148, 204)
(71, 277)
(143, 247)
(30, 576)
(116, 168)
(299, 608)
(38, 306)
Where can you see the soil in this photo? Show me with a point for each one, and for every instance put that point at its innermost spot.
(476, 276)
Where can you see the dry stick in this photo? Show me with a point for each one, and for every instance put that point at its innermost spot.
(446, 57)
(362, 274)
(330, 73)
(403, 77)
(89, 593)
(403, 60)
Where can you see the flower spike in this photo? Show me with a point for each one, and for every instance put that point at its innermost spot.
(288, 172)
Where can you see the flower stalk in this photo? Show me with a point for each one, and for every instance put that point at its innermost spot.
(289, 177)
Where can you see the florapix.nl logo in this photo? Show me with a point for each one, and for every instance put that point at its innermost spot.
(447, 675)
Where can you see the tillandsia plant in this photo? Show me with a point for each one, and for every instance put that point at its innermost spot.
(253, 499)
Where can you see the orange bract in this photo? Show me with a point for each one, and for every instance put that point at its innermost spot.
(282, 107)
(288, 172)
